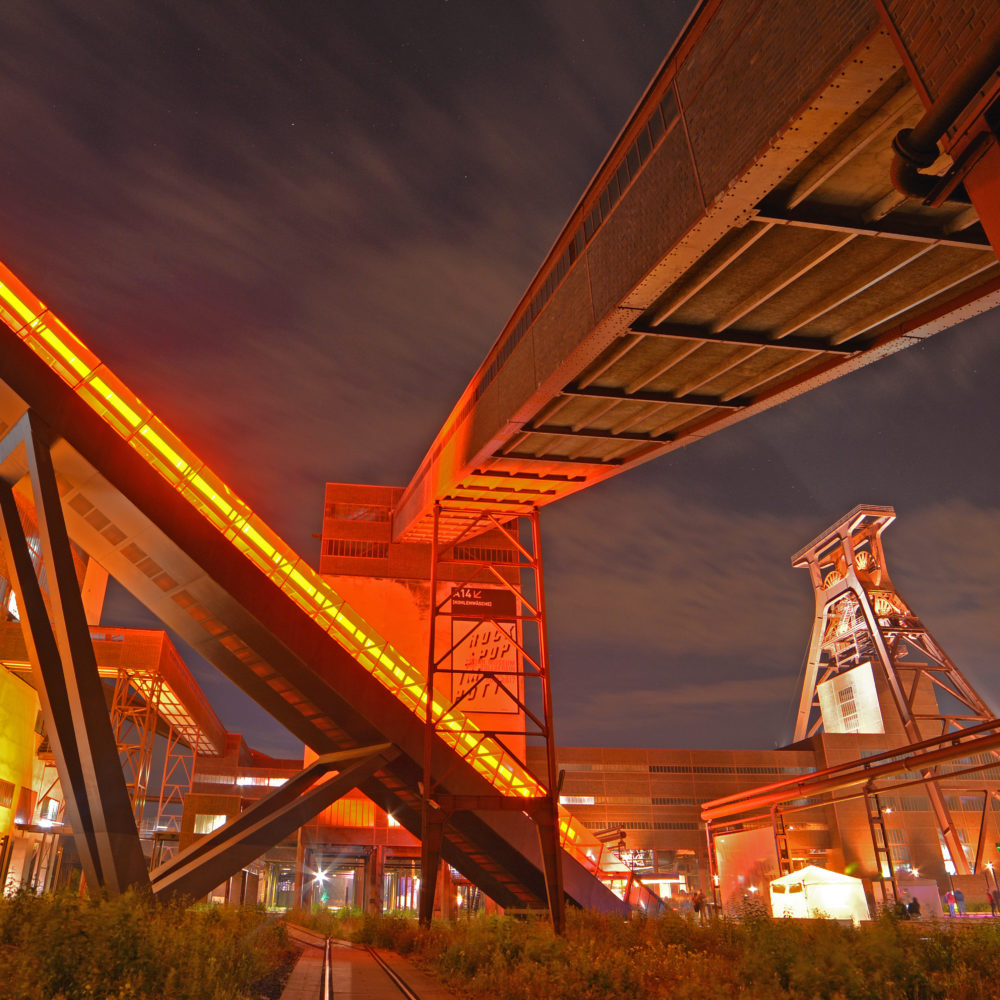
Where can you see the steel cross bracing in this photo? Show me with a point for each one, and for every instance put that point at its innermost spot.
(152, 690)
(488, 649)
(139, 501)
(860, 617)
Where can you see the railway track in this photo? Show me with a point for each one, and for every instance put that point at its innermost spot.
(331, 969)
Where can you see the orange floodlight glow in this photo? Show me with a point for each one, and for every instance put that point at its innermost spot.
(49, 338)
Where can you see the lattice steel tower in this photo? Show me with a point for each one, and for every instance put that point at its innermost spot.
(865, 635)
(870, 654)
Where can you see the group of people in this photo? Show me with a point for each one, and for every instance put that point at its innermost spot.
(954, 899)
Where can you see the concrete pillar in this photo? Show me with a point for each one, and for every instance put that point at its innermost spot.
(445, 906)
(300, 861)
(374, 873)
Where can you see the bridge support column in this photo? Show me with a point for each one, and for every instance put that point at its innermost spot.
(374, 876)
(983, 184)
(431, 840)
(488, 649)
(65, 669)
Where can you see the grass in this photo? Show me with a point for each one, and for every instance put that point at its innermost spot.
(64, 947)
(755, 959)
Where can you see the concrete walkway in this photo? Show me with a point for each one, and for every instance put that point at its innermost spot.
(357, 976)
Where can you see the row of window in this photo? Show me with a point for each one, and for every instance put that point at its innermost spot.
(917, 803)
(724, 769)
(355, 548)
(6, 794)
(358, 512)
(685, 768)
(255, 780)
(642, 825)
(623, 800)
(478, 553)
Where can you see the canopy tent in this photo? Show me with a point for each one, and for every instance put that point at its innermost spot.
(816, 892)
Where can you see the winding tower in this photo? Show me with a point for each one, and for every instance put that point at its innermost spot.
(873, 666)
(866, 638)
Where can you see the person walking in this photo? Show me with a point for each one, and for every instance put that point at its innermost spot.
(949, 901)
(960, 902)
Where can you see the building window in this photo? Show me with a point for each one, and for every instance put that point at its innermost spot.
(848, 709)
(576, 800)
(6, 794)
(353, 548)
(476, 553)
(48, 811)
(358, 512)
(207, 822)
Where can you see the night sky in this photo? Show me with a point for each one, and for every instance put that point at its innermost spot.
(296, 229)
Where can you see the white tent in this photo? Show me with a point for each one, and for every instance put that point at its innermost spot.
(816, 892)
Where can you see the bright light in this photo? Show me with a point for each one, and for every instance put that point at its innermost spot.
(887, 810)
(320, 877)
(754, 888)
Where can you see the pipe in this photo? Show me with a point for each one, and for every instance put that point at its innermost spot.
(917, 148)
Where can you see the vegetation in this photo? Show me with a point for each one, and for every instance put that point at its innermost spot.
(65, 947)
(755, 958)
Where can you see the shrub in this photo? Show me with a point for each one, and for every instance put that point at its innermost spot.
(64, 947)
(606, 958)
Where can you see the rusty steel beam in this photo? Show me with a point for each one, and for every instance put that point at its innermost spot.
(215, 857)
(923, 755)
(620, 395)
(832, 222)
(65, 669)
(749, 338)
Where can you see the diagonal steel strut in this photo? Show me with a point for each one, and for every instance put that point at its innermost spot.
(218, 855)
(65, 669)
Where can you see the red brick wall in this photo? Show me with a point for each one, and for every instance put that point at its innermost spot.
(938, 35)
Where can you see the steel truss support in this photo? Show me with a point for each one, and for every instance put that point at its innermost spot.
(781, 848)
(65, 669)
(134, 709)
(213, 858)
(885, 868)
(488, 656)
(861, 619)
(178, 776)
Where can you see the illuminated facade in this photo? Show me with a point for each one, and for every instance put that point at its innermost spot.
(699, 281)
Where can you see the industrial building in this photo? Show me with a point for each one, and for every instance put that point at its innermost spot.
(733, 251)
(644, 805)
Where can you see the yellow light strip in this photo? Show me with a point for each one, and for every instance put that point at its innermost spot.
(135, 423)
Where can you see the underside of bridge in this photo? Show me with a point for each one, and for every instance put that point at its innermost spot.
(742, 243)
